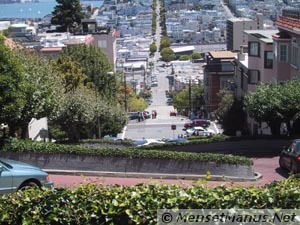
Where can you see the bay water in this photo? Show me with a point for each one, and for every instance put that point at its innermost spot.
(34, 10)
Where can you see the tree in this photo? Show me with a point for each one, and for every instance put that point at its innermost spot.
(167, 54)
(67, 13)
(153, 48)
(96, 66)
(196, 55)
(78, 108)
(41, 89)
(87, 68)
(230, 113)
(164, 43)
(70, 72)
(181, 99)
(184, 58)
(275, 104)
(12, 80)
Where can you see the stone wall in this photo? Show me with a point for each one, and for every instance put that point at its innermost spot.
(127, 165)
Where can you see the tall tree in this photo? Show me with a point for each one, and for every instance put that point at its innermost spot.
(67, 13)
(11, 87)
(42, 89)
(231, 109)
(96, 66)
(77, 109)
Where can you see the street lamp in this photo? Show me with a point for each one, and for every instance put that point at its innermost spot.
(190, 98)
(144, 70)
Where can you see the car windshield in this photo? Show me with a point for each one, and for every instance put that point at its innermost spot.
(6, 164)
(140, 142)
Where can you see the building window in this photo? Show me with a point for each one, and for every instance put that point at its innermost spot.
(283, 53)
(253, 49)
(254, 77)
(295, 53)
(268, 61)
(227, 67)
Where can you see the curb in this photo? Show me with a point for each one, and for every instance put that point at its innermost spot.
(257, 176)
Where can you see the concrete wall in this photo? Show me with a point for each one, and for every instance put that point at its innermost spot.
(114, 164)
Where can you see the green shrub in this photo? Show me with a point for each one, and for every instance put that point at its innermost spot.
(98, 204)
(18, 145)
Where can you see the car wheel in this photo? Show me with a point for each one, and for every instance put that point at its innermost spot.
(281, 164)
(29, 184)
(294, 169)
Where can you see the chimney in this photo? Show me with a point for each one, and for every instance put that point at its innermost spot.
(241, 55)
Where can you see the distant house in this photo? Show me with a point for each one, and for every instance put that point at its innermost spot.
(185, 50)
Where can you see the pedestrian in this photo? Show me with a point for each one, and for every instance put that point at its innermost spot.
(139, 117)
(143, 117)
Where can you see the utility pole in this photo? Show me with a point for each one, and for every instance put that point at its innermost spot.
(190, 99)
(125, 91)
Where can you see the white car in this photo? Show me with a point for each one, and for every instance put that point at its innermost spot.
(145, 142)
(199, 131)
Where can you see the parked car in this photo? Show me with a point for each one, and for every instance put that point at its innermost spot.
(133, 115)
(199, 131)
(147, 115)
(145, 142)
(177, 140)
(15, 175)
(289, 158)
(154, 84)
(197, 122)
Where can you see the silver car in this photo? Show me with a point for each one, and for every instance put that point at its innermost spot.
(16, 176)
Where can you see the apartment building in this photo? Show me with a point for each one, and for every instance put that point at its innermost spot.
(287, 45)
(273, 56)
(218, 75)
(234, 31)
(260, 58)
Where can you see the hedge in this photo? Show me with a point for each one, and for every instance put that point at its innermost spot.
(98, 204)
(19, 145)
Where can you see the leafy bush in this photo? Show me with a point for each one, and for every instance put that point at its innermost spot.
(98, 204)
(17, 145)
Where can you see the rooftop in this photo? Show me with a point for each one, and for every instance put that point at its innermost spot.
(288, 22)
(263, 35)
(223, 54)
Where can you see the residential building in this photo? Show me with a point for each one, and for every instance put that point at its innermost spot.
(234, 31)
(218, 75)
(254, 67)
(106, 40)
(260, 58)
(287, 45)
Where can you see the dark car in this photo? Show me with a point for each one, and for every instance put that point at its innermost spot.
(196, 123)
(290, 157)
(133, 115)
